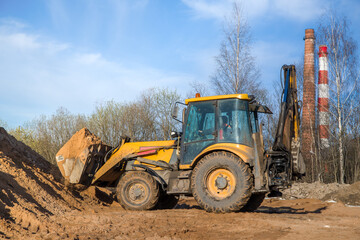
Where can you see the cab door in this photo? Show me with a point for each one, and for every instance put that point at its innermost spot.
(199, 130)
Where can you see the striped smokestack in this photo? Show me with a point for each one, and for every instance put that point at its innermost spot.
(308, 110)
(323, 99)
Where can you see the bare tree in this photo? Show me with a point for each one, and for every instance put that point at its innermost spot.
(163, 100)
(198, 87)
(333, 31)
(106, 123)
(148, 118)
(47, 134)
(236, 69)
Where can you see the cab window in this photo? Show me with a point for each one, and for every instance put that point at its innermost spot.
(201, 122)
(234, 122)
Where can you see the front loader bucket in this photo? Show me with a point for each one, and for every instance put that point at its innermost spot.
(81, 156)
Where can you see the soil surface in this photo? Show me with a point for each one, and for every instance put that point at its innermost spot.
(35, 204)
(275, 219)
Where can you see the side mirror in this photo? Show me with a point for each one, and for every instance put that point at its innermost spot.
(174, 112)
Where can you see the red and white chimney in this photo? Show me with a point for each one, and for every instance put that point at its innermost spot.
(323, 98)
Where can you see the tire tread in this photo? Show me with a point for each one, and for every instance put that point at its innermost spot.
(130, 176)
(248, 183)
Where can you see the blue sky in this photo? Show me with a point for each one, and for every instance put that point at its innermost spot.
(75, 54)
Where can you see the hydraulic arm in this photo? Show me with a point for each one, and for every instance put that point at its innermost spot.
(284, 160)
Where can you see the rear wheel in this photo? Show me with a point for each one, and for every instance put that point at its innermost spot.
(137, 190)
(221, 182)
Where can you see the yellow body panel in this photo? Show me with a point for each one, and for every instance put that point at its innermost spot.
(239, 96)
(107, 173)
(244, 152)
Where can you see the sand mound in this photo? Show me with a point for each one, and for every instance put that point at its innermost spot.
(315, 190)
(18, 150)
(345, 193)
(348, 195)
(29, 192)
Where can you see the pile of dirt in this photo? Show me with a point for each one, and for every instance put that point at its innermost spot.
(348, 195)
(30, 189)
(18, 150)
(75, 155)
(315, 190)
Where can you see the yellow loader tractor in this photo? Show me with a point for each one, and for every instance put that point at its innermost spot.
(218, 157)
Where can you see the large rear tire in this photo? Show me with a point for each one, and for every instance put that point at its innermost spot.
(221, 182)
(137, 190)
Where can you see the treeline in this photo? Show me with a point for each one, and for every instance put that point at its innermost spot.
(148, 118)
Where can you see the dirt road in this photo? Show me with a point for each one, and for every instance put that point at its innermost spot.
(275, 219)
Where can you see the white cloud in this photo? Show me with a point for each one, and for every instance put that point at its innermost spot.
(11, 24)
(220, 9)
(209, 9)
(13, 36)
(57, 12)
(89, 58)
(19, 41)
(39, 75)
(301, 10)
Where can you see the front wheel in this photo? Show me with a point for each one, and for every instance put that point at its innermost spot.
(137, 190)
(221, 182)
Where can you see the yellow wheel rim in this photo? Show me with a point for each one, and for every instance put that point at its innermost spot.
(220, 183)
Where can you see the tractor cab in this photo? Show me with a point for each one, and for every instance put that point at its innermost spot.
(219, 122)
